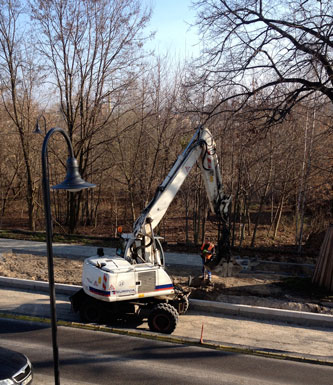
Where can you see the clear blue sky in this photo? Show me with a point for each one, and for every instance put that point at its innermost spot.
(170, 21)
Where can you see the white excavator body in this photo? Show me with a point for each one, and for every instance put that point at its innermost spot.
(112, 278)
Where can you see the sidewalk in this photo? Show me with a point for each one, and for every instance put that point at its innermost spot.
(78, 251)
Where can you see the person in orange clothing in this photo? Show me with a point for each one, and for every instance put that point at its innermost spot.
(207, 250)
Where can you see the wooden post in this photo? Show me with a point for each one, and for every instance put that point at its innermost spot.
(323, 274)
(201, 337)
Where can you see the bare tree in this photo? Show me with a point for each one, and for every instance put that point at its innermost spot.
(18, 78)
(285, 45)
(92, 49)
(11, 166)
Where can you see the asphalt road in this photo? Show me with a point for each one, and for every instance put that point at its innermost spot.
(90, 357)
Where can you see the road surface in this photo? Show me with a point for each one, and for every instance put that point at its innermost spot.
(90, 357)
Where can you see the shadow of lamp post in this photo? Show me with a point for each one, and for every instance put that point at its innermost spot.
(73, 182)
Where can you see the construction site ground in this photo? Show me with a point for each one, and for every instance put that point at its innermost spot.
(247, 288)
(250, 334)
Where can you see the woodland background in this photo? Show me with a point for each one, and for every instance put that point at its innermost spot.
(263, 86)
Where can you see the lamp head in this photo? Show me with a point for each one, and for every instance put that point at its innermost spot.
(73, 181)
(37, 129)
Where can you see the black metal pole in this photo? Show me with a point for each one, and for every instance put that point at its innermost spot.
(49, 236)
(73, 182)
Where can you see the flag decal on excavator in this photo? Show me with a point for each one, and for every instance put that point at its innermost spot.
(164, 287)
(103, 293)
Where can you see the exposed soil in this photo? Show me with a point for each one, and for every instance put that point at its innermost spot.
(258, 290)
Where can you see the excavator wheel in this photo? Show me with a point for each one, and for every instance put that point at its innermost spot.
(163, 318)
(91, 311)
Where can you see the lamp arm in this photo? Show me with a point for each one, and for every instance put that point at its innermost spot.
(64, 134)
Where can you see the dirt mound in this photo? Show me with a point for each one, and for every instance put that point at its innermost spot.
(35, 268)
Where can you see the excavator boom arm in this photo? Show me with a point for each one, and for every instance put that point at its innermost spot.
(201, 149)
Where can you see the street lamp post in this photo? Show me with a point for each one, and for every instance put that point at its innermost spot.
(73, 182)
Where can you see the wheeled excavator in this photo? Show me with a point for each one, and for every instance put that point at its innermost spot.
(133, 283)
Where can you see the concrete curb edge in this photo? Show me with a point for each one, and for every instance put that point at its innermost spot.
(265, 313)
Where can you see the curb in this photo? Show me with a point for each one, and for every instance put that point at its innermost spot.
(265, 313)
(27, 284)
(246, 311)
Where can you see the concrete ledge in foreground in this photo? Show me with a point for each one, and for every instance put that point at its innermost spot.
(246, 311)
(28, 284)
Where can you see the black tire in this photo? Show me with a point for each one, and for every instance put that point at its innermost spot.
(163, 318)
(91, 311)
